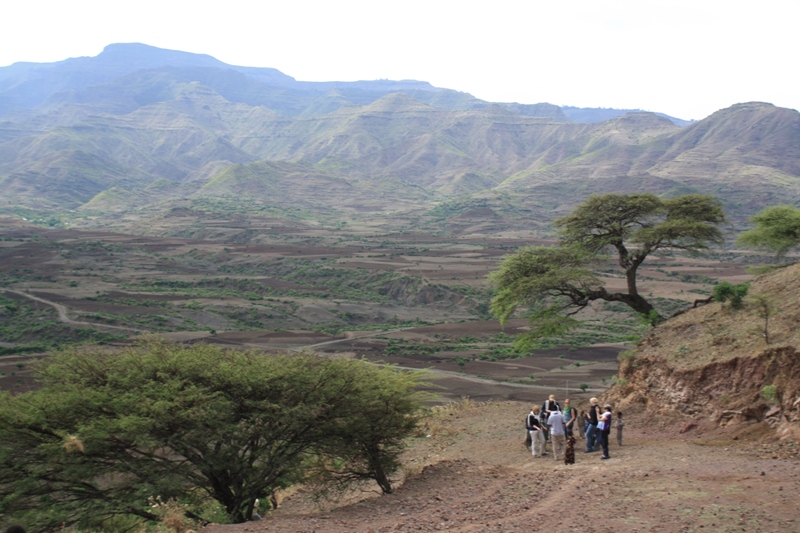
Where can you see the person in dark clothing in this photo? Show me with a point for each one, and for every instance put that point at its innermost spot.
(548, 407)
(536, 432)
(591, 426)
(604, 427)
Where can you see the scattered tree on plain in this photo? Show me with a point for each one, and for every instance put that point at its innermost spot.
(108, 430)
(557, 282)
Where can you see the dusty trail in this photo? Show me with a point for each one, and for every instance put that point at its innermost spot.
(63, 314)
(474, 475)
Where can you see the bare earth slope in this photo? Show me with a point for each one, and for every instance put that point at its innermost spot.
(714, 362)
(479, 477)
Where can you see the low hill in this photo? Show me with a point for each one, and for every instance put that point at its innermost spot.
(725, 365)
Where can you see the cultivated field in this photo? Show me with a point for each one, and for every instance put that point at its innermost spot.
(418, 299)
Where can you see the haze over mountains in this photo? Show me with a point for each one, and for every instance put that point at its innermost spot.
(140, 126)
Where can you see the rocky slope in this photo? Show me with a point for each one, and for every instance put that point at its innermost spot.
(715, 363)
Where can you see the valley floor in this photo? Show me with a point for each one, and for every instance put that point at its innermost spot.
(473, 474)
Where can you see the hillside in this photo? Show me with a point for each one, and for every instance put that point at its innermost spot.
(714, 363)
(471, 473)
(135, 116)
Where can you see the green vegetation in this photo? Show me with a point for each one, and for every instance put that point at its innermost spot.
(108, 431)
(770, 393)
(733, 294)
(557, 282)
(37, 328)
(765, 308)
(777, 230)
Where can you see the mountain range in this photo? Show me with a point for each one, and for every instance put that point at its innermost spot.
(141, 126)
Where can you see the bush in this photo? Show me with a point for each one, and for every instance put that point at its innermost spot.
(770, 393)
(108, 430)
(734, 294)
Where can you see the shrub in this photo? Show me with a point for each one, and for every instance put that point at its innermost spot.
(734, 294)
(770, 393)
(171, 420)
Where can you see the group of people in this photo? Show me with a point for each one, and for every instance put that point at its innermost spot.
(555, 424)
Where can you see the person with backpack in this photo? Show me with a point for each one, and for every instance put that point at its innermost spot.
(536, 432)
(548, 407)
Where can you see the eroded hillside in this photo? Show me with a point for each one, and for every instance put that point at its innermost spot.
(723, 364)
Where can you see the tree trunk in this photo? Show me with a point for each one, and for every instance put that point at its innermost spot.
(378, 472)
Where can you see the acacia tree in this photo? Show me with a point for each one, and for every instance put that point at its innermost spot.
(557, 282)
(777, 230)
(109, 430)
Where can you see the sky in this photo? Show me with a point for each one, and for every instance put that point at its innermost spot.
(684, 58)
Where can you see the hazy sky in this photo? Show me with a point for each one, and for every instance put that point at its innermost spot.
(684, 58)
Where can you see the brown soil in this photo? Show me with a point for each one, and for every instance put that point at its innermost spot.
(472, 473)
(714, 362)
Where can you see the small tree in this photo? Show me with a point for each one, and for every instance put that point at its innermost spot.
(777, 230)
(765, 308)
(108, 430)
(734, 294)
(557, 282)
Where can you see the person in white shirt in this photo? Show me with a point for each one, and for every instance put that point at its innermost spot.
(557, 434)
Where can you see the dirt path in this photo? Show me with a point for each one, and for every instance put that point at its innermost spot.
(474, 475)
(63, 315)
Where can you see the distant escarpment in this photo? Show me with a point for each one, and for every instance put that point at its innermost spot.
(723, 364)
(139, 129)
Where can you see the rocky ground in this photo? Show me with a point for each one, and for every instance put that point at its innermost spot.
(471, 472)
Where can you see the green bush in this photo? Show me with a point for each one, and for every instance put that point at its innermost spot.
(770, 393)
(734, 294)
(108, 430)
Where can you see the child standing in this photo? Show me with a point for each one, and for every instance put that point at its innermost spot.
(620, 425)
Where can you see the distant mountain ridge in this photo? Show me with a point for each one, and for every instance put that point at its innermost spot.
(167, 127)
(25, 86)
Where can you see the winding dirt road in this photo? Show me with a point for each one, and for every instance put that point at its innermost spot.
(63, 314)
